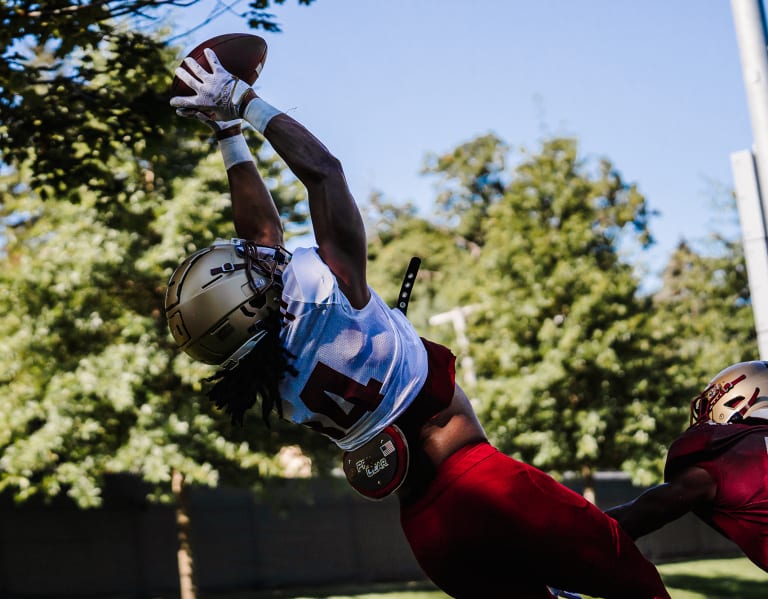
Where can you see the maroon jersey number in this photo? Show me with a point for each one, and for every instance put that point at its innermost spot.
(324, 391)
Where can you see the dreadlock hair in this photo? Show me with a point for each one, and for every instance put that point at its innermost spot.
(257, 376)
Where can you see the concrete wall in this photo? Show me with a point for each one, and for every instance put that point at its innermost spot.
(298, 533)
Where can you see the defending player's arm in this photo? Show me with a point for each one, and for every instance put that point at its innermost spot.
(336, 219)
(664, 503)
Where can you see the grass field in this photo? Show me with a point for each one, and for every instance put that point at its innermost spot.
(715, 579)
(707, 579)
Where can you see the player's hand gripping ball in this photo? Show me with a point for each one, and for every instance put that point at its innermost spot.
(242, 54)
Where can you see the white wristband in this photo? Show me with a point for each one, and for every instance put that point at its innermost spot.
(258, 113)
(234, 150)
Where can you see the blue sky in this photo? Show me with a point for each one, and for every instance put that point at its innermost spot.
(654, 86)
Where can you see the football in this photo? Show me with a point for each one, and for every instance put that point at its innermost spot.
(242, 54)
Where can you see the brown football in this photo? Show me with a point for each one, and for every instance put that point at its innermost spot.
(242, 54)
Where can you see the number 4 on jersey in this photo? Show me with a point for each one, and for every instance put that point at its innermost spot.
(326, 391)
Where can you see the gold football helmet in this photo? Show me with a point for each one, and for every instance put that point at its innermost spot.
(733, 394)
(218, 298)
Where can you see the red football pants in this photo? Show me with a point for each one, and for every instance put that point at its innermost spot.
(490, 526)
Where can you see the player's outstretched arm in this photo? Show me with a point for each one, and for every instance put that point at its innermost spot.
(664, 503)
(336, 219)
(255, 215)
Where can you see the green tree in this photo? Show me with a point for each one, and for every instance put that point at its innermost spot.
(471, 180)
(701, 321)
(704, 303)
(397, 234)
(92, 382)
(578, 367)
(555, 343)
(82, 78)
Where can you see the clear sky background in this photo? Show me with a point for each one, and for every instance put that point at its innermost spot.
(653, 85)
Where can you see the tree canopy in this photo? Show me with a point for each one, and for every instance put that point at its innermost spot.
(577, 368)
(82, 81)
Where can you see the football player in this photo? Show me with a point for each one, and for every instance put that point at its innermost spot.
(718, 468)
(336, 358)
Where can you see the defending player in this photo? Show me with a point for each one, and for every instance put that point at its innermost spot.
(337, 359)
(718, 468)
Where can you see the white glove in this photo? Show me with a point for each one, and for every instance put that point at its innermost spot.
(217, 93)
(220, 129)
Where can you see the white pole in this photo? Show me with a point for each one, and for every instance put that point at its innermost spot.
(458, 318)
(754, 241)
(752, 194)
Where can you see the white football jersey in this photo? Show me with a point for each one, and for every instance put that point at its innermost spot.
(356, 370)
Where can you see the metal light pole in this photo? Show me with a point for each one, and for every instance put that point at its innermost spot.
(750, 167)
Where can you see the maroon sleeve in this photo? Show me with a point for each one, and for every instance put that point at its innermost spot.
(441, 378)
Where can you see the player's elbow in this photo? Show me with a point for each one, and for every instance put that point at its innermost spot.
(325, 168)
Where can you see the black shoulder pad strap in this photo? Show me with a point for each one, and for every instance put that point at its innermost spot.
(407, 287)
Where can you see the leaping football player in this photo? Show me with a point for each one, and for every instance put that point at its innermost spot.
(336, 358)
